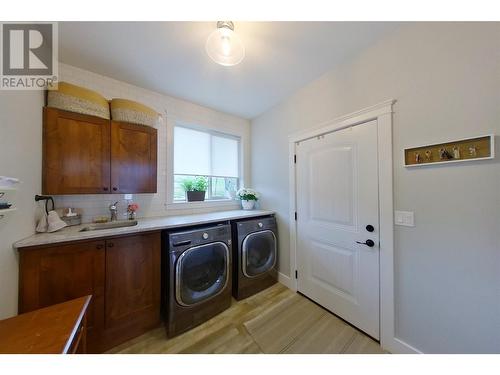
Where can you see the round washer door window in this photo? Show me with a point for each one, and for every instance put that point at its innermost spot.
(258, 253)
(201, 273)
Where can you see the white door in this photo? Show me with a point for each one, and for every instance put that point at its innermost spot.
(337, 202)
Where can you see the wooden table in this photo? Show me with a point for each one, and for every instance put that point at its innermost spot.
(57, 329)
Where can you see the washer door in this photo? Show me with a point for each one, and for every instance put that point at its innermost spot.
(201, 272)
(258, 253)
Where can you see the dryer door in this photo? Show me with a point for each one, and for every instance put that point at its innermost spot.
(258, 253)
(201, 273)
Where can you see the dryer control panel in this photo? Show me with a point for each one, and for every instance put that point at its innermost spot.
(257, 224)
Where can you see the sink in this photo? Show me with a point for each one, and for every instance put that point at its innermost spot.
(109, 225)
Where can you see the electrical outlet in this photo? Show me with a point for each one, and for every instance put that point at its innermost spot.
(128, 197)
(404, 218)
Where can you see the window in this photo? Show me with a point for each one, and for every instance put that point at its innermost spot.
(211, 155)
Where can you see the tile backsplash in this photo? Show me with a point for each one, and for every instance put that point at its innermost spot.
(151, 205)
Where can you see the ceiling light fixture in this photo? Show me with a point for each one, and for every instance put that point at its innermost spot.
(224, 46)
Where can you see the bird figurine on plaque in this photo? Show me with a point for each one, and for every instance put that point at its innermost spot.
(428, 155)
(472, 151)
(444, 154)
(418, 158)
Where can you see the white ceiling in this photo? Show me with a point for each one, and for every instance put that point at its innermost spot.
(169, 57)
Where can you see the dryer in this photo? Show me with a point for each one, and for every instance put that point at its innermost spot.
(197, 276)
(255, 255)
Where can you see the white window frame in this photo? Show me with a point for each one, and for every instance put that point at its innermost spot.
(218, 131)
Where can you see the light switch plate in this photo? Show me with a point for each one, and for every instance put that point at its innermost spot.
(404, 218)
(128, 197)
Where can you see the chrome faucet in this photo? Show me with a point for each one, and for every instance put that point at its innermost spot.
(113, 209)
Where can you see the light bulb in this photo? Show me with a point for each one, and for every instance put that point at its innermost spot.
(224, 46)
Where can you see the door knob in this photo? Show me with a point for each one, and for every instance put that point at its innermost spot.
(368, 243)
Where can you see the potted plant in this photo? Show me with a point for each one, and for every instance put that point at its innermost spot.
(248, 198)
(195, 188)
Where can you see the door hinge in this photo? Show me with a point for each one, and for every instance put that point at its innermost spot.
(295, 159)
(296, 274)
(295, 215)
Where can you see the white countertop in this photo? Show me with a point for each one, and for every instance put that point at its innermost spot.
(146, 224)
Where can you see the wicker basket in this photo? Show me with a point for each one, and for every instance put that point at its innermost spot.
(133, 112)
(78, 99)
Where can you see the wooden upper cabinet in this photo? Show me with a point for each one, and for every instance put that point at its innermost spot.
(133, 158)
(76, 153)
(89, 155)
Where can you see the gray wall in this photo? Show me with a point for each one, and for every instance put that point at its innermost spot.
(20, 156)
(446, 79)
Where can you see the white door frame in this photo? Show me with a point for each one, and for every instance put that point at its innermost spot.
(381, 112)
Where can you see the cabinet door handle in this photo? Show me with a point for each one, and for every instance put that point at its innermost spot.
(115, 188)
(105, 188)
(99, 247)
(111, 244)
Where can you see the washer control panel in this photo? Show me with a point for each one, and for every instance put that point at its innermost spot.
(180, 240)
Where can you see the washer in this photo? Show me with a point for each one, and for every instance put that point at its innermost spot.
(197, 274)
(255, 255)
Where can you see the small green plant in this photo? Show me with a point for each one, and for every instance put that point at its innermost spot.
(246, 194)
(195, 184)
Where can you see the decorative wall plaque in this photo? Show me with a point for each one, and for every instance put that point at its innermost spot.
(478, 148)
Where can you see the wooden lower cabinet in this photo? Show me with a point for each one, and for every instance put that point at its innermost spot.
(132, 286)
(122, 274)
(51, 275)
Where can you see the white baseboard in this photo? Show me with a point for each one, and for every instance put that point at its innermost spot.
(286, 281)
(398, 346)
